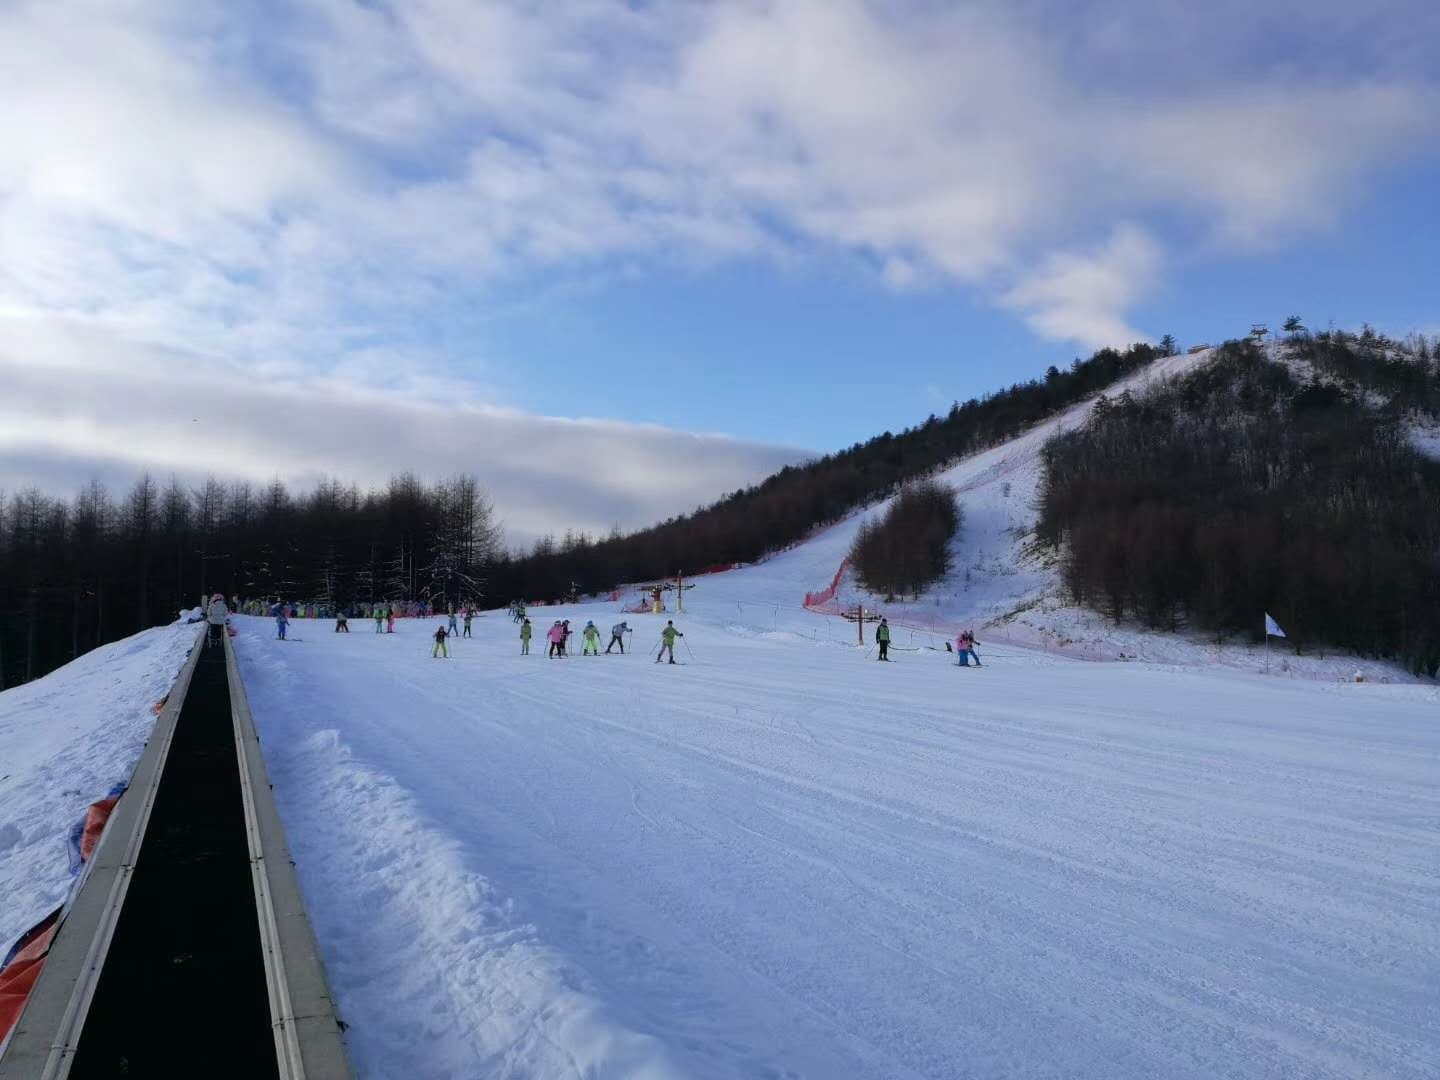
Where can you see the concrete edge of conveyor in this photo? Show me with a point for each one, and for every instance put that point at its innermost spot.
(48, 1031)
(308, 1039)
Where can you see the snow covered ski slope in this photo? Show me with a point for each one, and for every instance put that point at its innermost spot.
(782, 859)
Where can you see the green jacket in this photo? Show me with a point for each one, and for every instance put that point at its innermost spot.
(591, 634)
(525, 631)
(669, 634)
(882, 632)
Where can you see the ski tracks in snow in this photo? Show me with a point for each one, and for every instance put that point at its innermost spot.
(788, 861)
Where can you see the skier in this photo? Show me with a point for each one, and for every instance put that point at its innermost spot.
(342, 622)
(565, 634)
(440, 649)
(965, 648)
(390, 620)
(379, 618)
(453, 628)
(591, 638)
(556, 637)
(216, 615)
(525, 634)
(667, 640)
(882, 638)
(468, 616)
(281, 621)
(617, 637)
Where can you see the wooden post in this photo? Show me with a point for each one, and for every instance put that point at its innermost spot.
(860, 626)
(680, 592)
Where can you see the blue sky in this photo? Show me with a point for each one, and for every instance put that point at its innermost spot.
(619, 258)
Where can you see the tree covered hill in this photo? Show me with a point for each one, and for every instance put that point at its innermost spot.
(1243, 489)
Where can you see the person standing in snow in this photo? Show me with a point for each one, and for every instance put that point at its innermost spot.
(882, 638)
(342, 621)
(390, 620)
(667, 640)
(617, 637)
(525, 634)
(215, 616)
(591, 640)
(440, 649)
(468, 616)
(565, 635)
(453, 627)
(965, 648)
(556, 637)
(379, 619)
(281, 622)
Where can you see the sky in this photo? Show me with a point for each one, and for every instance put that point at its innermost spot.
(617, 259)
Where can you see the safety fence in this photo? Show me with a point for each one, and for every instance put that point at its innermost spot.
(826, 595)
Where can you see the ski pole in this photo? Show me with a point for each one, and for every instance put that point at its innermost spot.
(689, 650)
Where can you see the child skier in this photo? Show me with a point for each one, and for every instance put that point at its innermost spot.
(453, 627)
(440, 649)
(882, 638)
(390, 620)
(565, 635)
(281, 621)
(468, 616)
(525, 633)
(667, 640)
(965, 648)
(591, 638)
(342, 622)
(617, 637)
(379, 619)
(556, 637)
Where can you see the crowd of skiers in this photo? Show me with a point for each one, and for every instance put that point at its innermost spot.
(558, 636)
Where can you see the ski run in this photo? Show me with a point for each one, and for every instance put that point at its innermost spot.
(785, 860)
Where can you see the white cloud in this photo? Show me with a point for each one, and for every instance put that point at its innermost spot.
(1084, 297)
(79, 402)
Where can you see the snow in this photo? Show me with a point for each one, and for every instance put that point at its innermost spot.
(65, 740)
(783, 860)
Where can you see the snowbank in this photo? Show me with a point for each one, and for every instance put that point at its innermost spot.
(65, 740)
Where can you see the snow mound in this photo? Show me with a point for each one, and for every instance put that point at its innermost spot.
(65, 740)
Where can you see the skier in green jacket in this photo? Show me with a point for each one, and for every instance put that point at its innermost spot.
(590, 638)
(882, 638)
(379, 619)
(667, 640)
(525, 633)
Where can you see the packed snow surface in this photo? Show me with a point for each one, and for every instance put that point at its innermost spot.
(65, 740)
(783, 859)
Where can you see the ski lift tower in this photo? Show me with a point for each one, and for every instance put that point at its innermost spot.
(679, 586)
(657, 592)
(860, 617)
(1258, 332)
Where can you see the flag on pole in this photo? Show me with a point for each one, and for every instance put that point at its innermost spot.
(1272, 628)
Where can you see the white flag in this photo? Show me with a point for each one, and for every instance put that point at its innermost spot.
(1272, 628)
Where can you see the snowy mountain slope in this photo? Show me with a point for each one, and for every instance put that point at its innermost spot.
(997, 486)
(65, 740)
(1001, 586)
(781, 860)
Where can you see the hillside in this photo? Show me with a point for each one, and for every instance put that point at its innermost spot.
(1011, 588)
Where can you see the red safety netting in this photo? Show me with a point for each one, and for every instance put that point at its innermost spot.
(824, 596)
